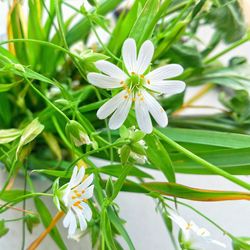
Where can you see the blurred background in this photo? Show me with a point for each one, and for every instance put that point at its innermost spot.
(144, 225)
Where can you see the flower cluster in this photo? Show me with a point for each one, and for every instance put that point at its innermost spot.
(137, 86)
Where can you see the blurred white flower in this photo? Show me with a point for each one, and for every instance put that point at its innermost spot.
(137, 87)
(75, 198)
(190, 228)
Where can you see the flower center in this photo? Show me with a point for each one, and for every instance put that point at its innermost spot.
(135, 82)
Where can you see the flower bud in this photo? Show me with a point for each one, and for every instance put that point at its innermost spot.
(77, 133)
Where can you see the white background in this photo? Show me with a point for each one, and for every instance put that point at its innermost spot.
(143, 223)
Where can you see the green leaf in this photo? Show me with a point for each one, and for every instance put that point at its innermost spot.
(9, 135)
(3, 230)
(206, 137)
(124, 154)
(234, 161)
(163, 163)
(7, 86)
(10, 195)
(30, 132)
(185, 192)
(117, 223)
(112, 170)
(46, 219)
(140, 31)
(31, 221)
(228, 15)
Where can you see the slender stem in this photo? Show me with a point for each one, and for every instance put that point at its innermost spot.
(223, 52)
(44, 43)
(204, 163)
(194, 98)
(118, 143)
(48, 101)
(37, 242)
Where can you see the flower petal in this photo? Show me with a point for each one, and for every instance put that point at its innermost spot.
(70, 221)
(120, 115)
(79, 176)
(156, 109)
(142, 115)
(145, 56)
(218, 243)
(170, 87)
(129, 55)
(110, 106)
(110, 69)
(103, 81)
(88, 193)
(165, 72)
(85, 184)
(81, 218)
(86, 211)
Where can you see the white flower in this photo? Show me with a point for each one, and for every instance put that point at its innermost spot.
(137, 87)
(189, 229)
(75, 197)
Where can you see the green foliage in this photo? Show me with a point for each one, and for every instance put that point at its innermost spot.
(3, 230)
(48, 119)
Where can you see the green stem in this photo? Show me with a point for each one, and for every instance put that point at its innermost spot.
(118, 143)
(44, 43)
(61, 32)
(228, 49)
(204, 163)
(48, 101)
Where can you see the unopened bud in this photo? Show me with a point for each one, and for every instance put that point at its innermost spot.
(77, 133)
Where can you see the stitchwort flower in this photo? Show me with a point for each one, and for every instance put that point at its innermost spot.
(190, 229)
(137, 86)
(75, 198)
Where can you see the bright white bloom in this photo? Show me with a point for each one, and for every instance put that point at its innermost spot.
(138, 86)
(189, 229)
(75, 197)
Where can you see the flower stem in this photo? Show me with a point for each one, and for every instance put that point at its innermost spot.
(37, 242)
(201, 161)
(223, 52)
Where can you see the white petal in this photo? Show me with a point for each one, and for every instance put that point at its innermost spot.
(165, 72)
(110, 106)
(169, 87)
(156, 110)
(129, 55)
(86, 211)
(79, 176)
(103, 81)
(218, 243)
(203, 232)
(85, 183)
(88, 192)
(145, 56)
(81, 218)
(67, 219)
(70, 222)
(120, 115)
(142, 115)
(110, 69)
(181, 222)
